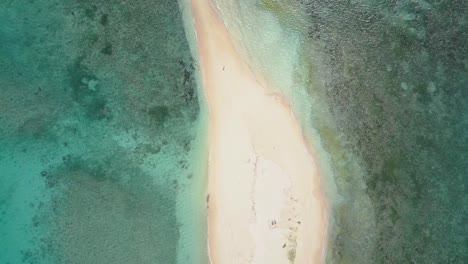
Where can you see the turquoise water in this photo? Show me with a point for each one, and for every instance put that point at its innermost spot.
(101, 140)
(381, 90)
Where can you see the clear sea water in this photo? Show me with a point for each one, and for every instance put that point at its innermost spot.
(102, 129)
(101, 134)
(381, 88)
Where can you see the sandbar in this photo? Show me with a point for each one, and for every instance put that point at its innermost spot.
(266, 201)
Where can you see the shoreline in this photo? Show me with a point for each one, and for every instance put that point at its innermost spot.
(266, 202)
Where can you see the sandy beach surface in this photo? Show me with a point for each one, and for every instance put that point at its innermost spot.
(266, 204)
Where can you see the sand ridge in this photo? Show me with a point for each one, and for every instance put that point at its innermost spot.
(266, 203)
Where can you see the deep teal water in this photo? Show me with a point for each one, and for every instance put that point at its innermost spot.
(98, 115)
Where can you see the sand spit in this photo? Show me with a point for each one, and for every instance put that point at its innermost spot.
(266, 203)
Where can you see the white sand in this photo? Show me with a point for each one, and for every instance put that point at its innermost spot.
(266, 203)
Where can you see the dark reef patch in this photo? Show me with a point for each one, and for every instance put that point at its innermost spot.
(107, 50)
(395, 77)
(85, 91)
(159, 114)
(100, 204)
(104, 19)
(91, 12)
(36, 126)
(98, 109)
(79, 78)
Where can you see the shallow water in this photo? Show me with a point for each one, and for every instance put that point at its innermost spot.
(101, 153)
(102, 140)
(381, 90)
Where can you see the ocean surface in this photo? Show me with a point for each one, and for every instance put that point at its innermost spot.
(103, 132)
(102, 151)
(381, 89)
